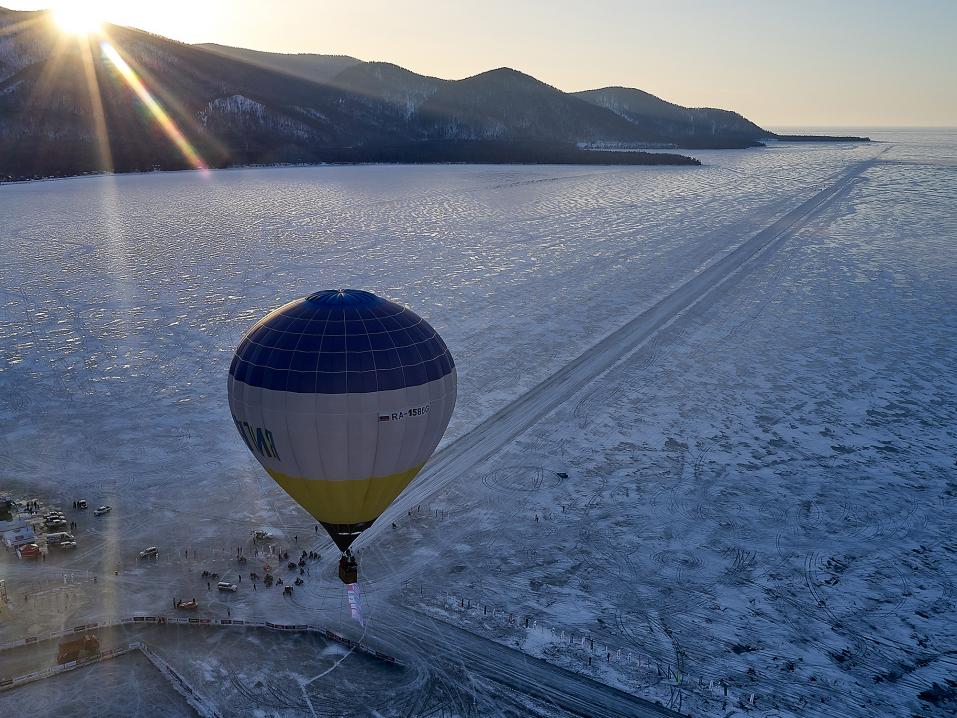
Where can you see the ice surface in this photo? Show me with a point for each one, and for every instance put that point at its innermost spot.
(771, 484)
(101, 689)
(768, 486)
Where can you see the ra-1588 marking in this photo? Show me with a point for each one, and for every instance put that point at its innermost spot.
(405, 413)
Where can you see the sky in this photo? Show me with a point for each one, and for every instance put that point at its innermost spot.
(811, 63)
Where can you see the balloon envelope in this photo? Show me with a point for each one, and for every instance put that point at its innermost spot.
(342, 396)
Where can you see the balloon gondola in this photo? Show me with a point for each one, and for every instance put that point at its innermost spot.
(342, 396)
(348, 568)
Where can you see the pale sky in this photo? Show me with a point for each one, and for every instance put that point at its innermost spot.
(808, 63)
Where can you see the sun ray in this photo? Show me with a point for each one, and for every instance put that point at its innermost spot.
(100, 133)
(156, 110)
(166, 98)
(49, 69)
(15, 27)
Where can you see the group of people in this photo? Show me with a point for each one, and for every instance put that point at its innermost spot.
(210, 576)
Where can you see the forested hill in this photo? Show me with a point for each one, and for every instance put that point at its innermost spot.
(662, 121)
(129, 100)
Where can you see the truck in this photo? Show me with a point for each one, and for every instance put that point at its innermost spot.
(59, 537)
(78, 649)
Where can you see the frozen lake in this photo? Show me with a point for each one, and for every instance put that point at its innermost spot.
(762, 496)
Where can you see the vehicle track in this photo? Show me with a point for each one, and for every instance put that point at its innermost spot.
(470, 653)
(509, 422)
(471, 449)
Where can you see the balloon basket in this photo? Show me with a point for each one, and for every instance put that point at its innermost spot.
(348, 569)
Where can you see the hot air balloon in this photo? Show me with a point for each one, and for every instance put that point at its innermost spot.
(342, 396)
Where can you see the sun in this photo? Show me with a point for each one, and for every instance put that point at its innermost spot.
(77, 17)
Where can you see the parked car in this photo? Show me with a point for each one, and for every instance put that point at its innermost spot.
(103, 510)
(67, 544)
(226, 586)
(151, 552)
(81, 504)
(261, 535)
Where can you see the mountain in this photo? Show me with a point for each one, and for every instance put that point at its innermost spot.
(384, 82)
(24, 39)
(318, 68)
(662, 121)
(137, 101)
(57, 102)
(507, 104)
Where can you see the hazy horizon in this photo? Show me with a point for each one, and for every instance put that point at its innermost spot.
(860, 64)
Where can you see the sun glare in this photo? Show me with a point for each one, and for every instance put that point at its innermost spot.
(77, 17)
(159, 114)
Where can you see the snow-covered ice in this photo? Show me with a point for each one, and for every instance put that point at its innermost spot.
(101, 690)
(761, 497)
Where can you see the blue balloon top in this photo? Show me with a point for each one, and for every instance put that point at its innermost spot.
(344, 297)
(339, 341)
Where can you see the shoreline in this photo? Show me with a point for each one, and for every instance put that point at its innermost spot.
(382, 163)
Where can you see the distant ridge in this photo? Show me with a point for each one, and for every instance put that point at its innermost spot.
(662, 121)
(318, 68)
(505, 103)
(821, 138)
(385, 82)
(235, 106)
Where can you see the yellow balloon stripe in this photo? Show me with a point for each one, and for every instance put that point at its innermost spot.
(346, 502)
